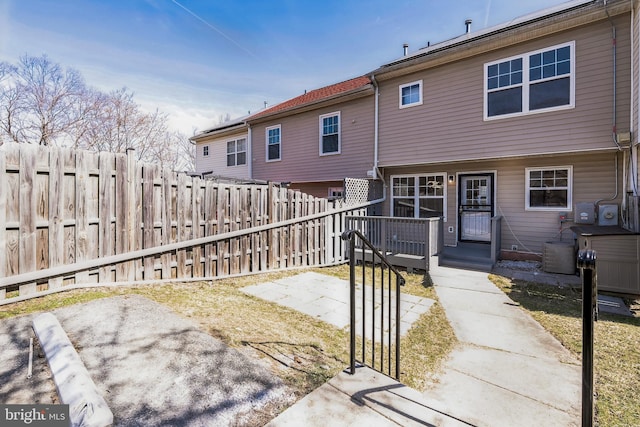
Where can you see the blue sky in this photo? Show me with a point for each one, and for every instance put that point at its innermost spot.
(197, 60)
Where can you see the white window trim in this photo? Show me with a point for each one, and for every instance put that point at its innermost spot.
(332, 190)
(416, 213)
(205, 151)
(337, 113)
(420, 86)
(266, 143)
(235, 153)
(526, 83)
(527, 194)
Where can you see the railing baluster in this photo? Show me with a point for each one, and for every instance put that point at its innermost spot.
(381, 317)
(373, 312)
(390, 324)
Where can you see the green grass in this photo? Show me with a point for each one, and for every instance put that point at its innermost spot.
(616, 344)
(305, 352)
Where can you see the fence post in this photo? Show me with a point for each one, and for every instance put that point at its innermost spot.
(587, 265)
(131, 211)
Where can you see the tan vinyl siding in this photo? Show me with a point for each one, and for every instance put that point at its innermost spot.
(300, 150)
(449, 125)
(593, 179)
(635, 57)
(216, 161)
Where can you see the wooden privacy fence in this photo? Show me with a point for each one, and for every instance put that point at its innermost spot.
(71, 218)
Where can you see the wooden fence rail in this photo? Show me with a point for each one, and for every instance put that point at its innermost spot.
(70, 217)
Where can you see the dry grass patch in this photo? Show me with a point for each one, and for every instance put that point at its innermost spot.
(305, 352)
(616, 344)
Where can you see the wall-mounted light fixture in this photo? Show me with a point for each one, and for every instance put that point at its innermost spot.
(452, 179)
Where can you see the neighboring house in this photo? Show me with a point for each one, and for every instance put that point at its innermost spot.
(516, 121)
(317, 139)
(224, 150)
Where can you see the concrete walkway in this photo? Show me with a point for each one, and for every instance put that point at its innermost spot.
(506, 371)
(327, 298)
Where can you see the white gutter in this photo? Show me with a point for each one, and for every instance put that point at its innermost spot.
(376, 138)
(249, 152)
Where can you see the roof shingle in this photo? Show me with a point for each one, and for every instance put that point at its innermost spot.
(316, 95)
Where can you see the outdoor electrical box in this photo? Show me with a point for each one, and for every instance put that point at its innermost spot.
(608, 215)
(585, 213)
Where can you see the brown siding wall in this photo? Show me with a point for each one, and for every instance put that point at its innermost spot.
(301, 160)
(316, 189)
(593, 179)
(449, 126)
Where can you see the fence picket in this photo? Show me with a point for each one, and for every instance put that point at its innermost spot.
(27, 243)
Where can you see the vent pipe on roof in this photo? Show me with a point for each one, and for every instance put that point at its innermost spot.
(467, 25)
(405, 49)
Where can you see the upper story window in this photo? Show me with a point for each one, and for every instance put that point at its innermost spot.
(330, 134)
(548, 189)
(237, 152)
(537, 81)
(418, 196)
(274, 143)
(205, 150)
(411, 94)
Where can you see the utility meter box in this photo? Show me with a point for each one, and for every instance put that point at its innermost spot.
(585, 213)
(608, 215)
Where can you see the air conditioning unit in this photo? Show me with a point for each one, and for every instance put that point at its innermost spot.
(608, 215)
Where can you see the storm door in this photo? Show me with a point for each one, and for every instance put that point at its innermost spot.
(475, 207)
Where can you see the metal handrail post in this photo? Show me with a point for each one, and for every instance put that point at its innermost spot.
(587, 264)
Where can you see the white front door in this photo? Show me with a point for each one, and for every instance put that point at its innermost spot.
(475, 207)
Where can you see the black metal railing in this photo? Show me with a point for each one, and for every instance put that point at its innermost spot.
(379, 286)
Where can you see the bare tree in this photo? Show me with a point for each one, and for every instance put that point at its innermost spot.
(42, 103)
(46, 99)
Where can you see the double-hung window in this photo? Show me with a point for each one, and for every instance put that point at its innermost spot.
(418, 196)
(548, 189)
(274, 143)
(237, 152)
(537, 81)
(330, 134)
(205, 151)
(410, 94)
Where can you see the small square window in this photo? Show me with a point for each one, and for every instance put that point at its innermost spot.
(411, 94)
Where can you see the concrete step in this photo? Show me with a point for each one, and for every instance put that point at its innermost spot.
(366, 398)
(467, 263)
